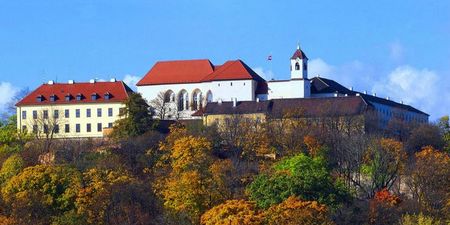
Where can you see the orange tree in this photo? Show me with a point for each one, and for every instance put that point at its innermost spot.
(294, 211)
(235, 212)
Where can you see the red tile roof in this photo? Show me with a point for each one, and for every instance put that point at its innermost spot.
(299, 54)
(196, 71)
(118, 92)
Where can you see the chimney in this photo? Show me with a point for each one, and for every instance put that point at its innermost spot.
(234, 102)
(219, 101)
(357, 94)
(51, 82)
(351, 88)
(257, 99)
(375, 94)
(92, 81)
(365, 92)
(71, 82)
(113, 80)
(401, 102)
(387, 98)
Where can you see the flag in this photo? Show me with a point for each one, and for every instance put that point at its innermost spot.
(269, 57)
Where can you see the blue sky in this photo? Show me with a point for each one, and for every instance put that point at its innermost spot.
(399, 49)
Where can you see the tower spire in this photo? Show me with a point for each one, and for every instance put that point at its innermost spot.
(298, 45)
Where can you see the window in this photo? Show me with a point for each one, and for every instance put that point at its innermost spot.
(88, 127)
(107, 96)
(34, 114)
(231, 83)
(35, 129)
(24, 128)
(110, 125)
(88, 112)
(67, 128)
(56, 129)
(68, 97)
(46, 128)
(24, 115)
(55, 113)
(45, 114)
(79, 97)
(121, 111)
(66, 113)
(297, 66)
(77, 128)
(94, 96)
(77, 113)
(40, 98)
(110, 112)
(99, 112)
(52, 98)
(99, 127)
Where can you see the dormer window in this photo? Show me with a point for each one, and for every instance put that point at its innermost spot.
(52, 97)
(40, 98)
(79, 97)
(94, 96)
(68, 97)
(107, 96)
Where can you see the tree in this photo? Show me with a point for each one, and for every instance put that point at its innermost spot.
(115, 197)
(294, 211)
(302, 176)
(384, 162)
(11, 167)
(135, 120)
(430, 181)
(160, 105)
(444, 125)
(384, 208)
(188, 190)
(47, 123)
(41, 192)
(424, 135)
(234, 212)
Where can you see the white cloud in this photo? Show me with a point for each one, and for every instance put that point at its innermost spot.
(320, 67)
(7, 93)
(131, 80)
(424, 89)
(266, 74)
(396, 51)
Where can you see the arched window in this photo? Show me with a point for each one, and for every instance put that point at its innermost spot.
(197, 99)
(183, 101)
(297, 66)
(209, 97)
(169, 96)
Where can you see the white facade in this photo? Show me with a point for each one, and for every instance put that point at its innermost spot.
(299, 86)
(185, 99)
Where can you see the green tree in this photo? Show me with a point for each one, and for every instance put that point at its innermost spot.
(302, 176)
(135, 120)
(444, 125)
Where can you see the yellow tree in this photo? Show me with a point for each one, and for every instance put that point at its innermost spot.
(114, 197)
(232, 212)
(431, 181)
(188, 191)
(294, 211)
